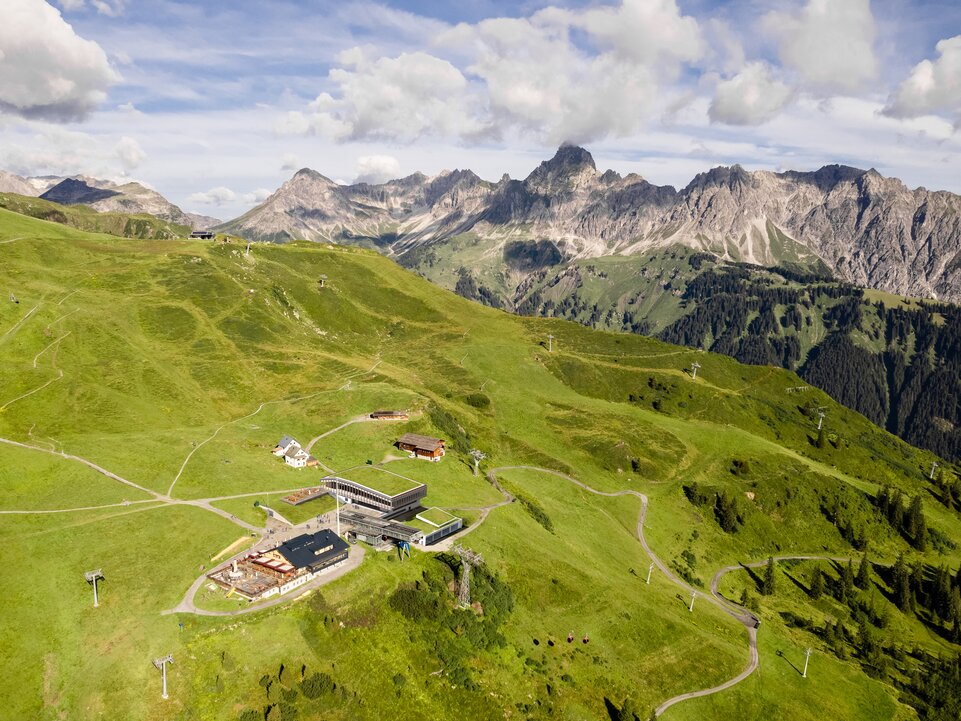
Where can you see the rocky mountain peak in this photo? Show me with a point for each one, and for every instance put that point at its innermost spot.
(571, 168)
(72, 191)
(866, 229)
(308, 174)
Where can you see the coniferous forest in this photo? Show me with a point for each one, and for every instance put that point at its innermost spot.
(897, 362)
(898, 366)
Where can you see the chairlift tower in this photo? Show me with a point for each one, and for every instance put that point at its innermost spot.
(693, 596)
(161, 663)
(934, 467)
(694, 366)
(807, 657)
(468, 558)
(821, 415)
(92, 577)
(649, 569)
(550, 343)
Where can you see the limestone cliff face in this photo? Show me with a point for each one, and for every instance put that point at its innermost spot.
(870, 230)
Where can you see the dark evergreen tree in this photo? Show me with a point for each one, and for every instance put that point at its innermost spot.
(915, 525)
(918, 597)
(863, 579)
(846, 586)
(768, 584)
(901, 584)
(817, 583)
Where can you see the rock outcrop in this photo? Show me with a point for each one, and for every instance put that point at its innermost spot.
(867, 229)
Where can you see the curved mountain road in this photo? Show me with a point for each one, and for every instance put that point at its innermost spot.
(742, 615)
(739, 613)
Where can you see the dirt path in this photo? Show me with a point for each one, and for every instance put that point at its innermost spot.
(356, 419)
(43, 511)
(207, 440)
(263, 405)
(742, 615)
(37, 357)
(89, 464)
(16, 326)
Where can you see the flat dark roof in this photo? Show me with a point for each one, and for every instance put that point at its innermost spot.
(312, 549)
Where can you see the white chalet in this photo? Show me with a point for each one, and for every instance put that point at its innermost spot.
(296, 457)
(285, 444)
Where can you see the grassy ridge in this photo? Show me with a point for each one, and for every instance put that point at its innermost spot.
(83, 218)
(189, 348)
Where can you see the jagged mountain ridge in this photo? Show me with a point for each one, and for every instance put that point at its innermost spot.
(867, 229)
(104, 196)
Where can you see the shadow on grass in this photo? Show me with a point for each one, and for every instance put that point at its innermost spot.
(793, 579)
(780, 654)
(754, 577)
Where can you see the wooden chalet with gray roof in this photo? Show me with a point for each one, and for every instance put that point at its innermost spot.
(418, 446)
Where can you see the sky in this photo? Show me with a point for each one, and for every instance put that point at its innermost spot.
(216, 104)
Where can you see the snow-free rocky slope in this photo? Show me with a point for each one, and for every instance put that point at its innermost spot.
(867, 229)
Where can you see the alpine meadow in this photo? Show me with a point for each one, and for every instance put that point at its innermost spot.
(130, 364)
(564, 360)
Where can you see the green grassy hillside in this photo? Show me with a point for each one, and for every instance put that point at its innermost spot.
(896, 360)
(176, 366)
(83, 218)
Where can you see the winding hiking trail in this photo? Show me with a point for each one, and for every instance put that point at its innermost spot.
(737, 612)
(740, 614)
(363, 418)
(263, 405)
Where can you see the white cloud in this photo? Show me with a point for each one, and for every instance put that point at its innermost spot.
(257, 196)
(931, 86)
(47, 71)
(376, 169)
(829, 44)
(289, 162)
(110, 8)
(222, 196)
(526, 74)
(643, 31)
(215, 196)
(751, 97)
(130, 154)
(392, 98)
(71, 4)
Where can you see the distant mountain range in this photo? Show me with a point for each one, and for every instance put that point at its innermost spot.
(856, 224)
(103, 195)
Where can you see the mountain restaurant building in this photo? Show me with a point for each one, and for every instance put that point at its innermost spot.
(418, 446)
